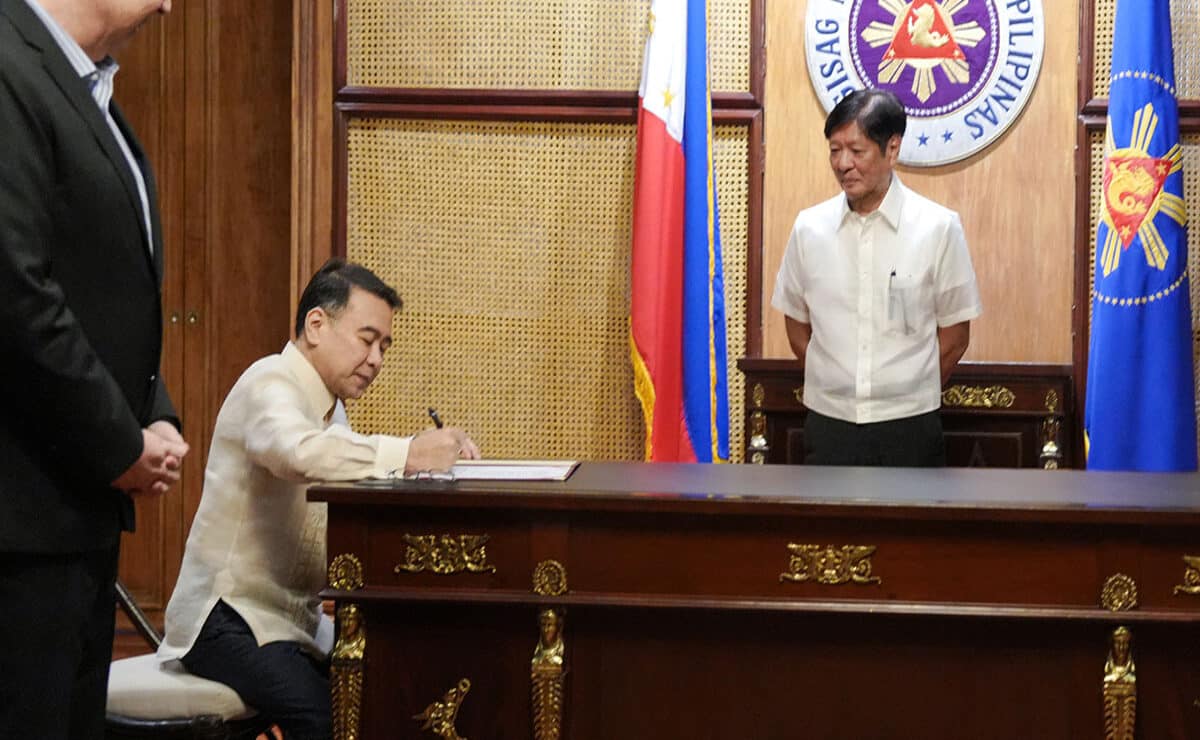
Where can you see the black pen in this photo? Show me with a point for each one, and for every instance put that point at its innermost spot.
(437, 421)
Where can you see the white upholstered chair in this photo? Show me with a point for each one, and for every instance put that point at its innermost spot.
(147, 699)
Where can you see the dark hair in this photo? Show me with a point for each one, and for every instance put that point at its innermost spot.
(879, 113)
(330, 289)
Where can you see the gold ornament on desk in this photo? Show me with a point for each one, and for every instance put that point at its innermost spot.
(974, 396)
(1120, 688)
(346, 673)
(440, 716)
(445, 554)
(346, 572)
(1052, 400)
(830, 565)
(1051, 455)
(1119, 593)
(550, 578)
(758, 447)
(546, 673)
(1191, 577)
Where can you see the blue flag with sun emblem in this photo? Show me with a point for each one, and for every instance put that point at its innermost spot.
(1141, 398)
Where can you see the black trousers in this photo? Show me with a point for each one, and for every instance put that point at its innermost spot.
(284, 682)
(56, 632)
(914, 442)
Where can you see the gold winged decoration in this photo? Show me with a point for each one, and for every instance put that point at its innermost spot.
(440, 716)
(830, 565)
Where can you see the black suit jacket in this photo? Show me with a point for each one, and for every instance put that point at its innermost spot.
(80, 307)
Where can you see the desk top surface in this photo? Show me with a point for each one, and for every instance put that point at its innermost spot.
(955, 492)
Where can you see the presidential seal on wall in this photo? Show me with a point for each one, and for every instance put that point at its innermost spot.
(964, 69)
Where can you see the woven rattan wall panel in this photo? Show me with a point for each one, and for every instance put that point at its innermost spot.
(1191, 195)
(524, 44)
(730, 156)
(1185, 21)
(509, 243)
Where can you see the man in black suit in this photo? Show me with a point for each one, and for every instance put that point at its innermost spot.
(86, 423)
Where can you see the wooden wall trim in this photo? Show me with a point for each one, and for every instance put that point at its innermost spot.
(1092, 111)
(341, 184)
(340, 169)
(302, 142)
(173, 191)
(469, 112)
(340, 43)
(756, 173)
(1087, 50)
(758, 50)
(312, 141)
(492, 112)
(754, 240)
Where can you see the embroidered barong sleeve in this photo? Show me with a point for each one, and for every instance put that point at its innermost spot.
(957, 298)
(283, 439)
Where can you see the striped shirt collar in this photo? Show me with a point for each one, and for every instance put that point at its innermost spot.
(99, 76)
(70, 47)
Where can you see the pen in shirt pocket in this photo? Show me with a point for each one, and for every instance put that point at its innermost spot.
(891, 296)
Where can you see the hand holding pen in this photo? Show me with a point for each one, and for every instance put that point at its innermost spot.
(467, 450)
(436, 449)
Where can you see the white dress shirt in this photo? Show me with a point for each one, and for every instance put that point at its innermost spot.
(256, 543)
(875, 289)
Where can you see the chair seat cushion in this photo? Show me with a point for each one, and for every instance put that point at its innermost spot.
(143, 688)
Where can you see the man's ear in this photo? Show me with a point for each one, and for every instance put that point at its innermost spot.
(893, 149)
(314, 321)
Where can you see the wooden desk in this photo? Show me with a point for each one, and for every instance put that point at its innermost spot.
(967, 605)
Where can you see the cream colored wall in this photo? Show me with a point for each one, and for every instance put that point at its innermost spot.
(1016, 198)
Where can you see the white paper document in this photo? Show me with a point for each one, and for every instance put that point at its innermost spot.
(513, 469)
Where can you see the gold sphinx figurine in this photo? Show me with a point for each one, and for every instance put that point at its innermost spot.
(352, 636)
(1120, 688)
(546, 676)
(346, 667)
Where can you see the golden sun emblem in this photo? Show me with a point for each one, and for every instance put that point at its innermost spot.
(925, 37)
(1134, 194)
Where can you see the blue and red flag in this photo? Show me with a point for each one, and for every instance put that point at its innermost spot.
(677, 303)
(1141, 402)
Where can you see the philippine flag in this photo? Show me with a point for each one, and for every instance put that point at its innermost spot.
(677, 305)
